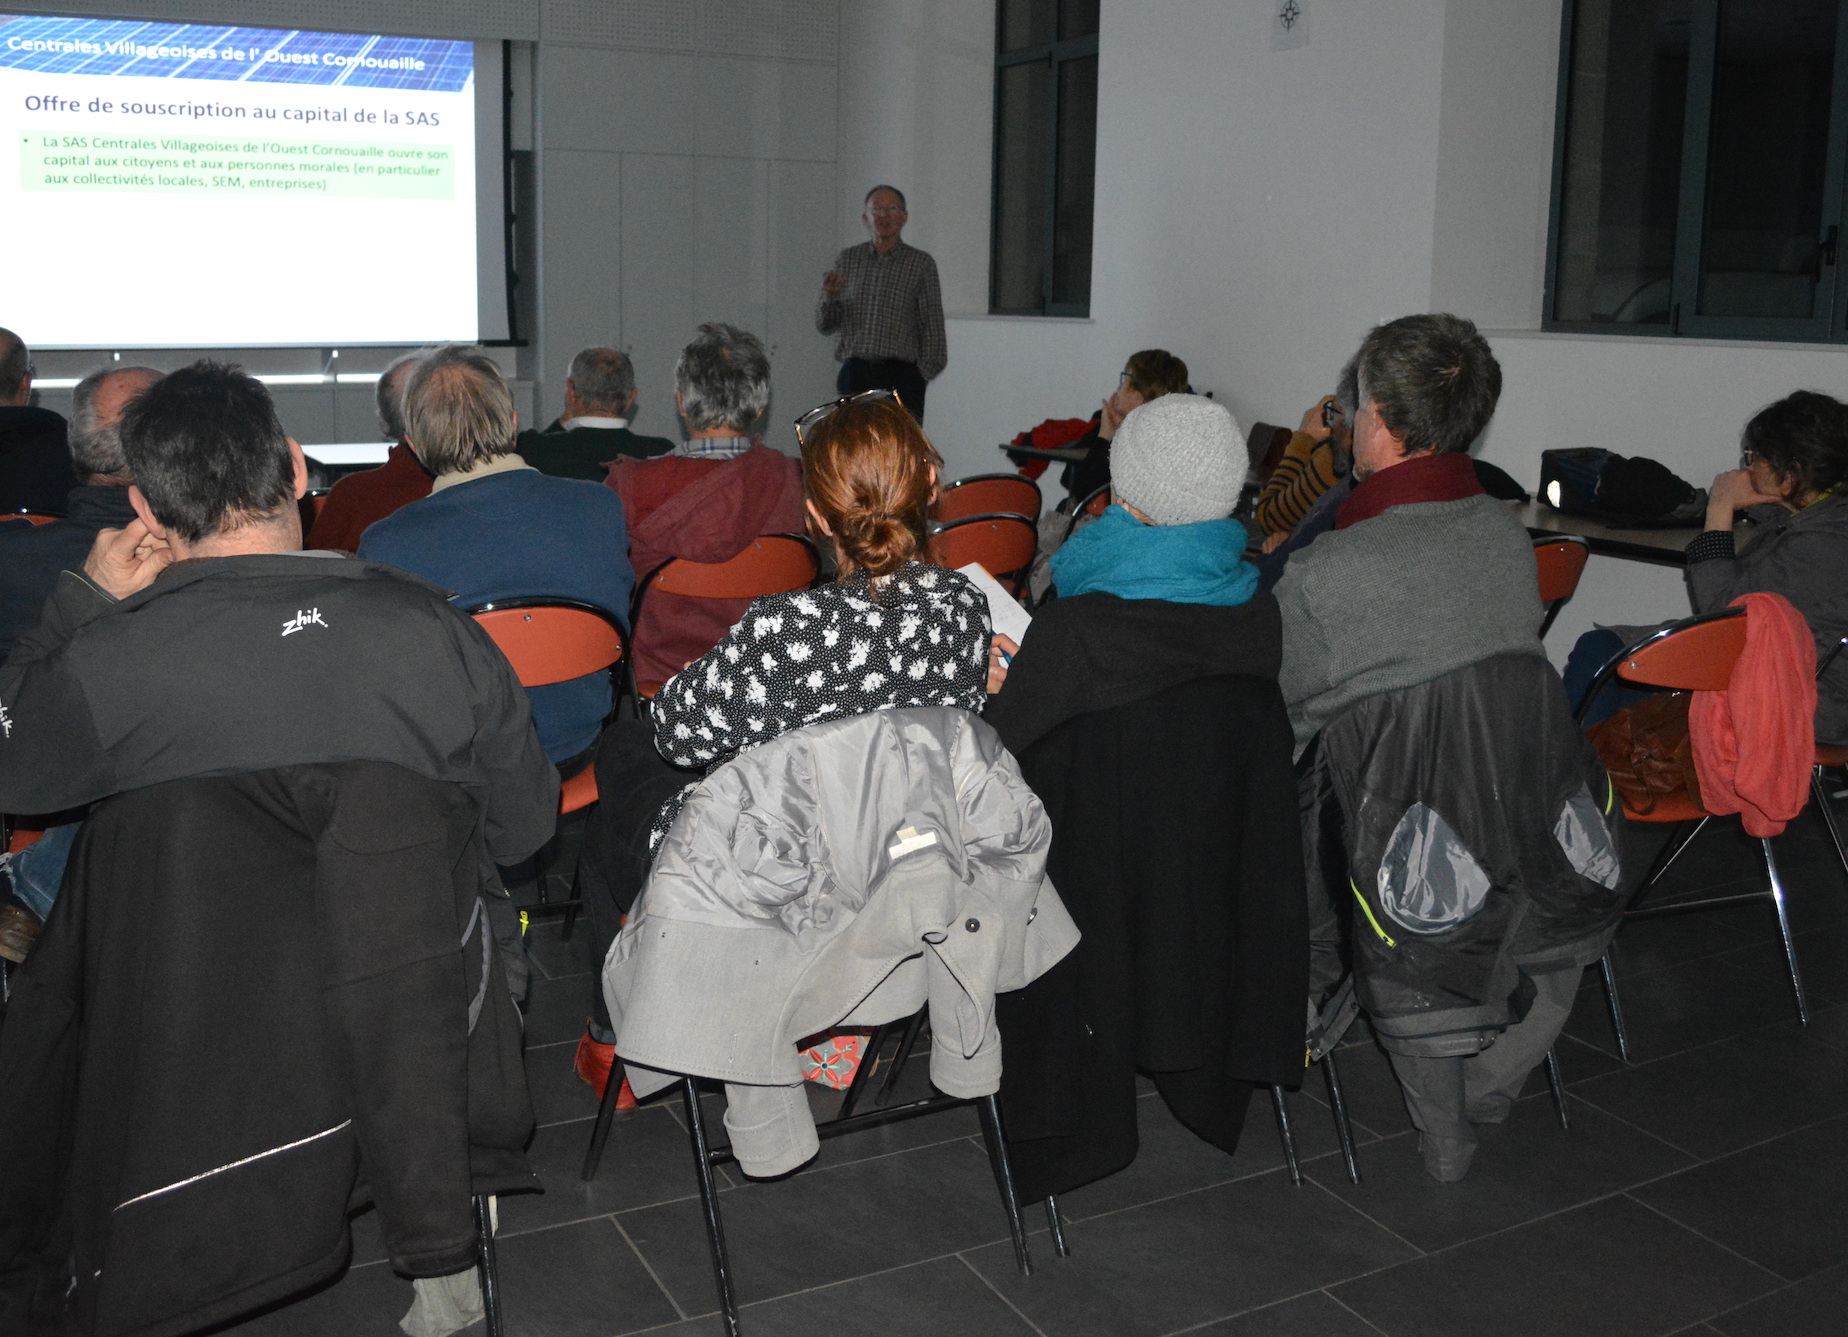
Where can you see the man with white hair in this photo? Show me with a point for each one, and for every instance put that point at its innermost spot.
(593, 431)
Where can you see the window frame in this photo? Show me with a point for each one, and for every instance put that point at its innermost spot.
(1830, 324)
(1055, 53)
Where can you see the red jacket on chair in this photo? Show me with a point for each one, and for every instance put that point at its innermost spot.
(1755, 742)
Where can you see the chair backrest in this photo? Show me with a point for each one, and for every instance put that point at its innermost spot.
(773, 564)
(1697, 654)
(1003, 544)
(1264, 445)
(1561, 561)
(988, 494)
(30, 517)
(551, 640)
(1095, 503)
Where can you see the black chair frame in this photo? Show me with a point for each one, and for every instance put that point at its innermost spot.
(707, 1156)
(1684, 836)
(574, 903)
(1071, 525)
(486, 1266)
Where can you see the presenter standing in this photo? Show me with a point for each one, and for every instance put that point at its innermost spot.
(882, 304)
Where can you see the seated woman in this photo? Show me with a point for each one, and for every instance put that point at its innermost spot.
(1790, 488)
(1316, 460)
(891, 631)
(1147, 376)
(1144, 709)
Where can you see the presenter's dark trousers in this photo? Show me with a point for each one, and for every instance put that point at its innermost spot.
(886, 373)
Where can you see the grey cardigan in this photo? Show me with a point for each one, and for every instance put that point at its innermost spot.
(843, 874)
(1400, 599)
(1804, 557)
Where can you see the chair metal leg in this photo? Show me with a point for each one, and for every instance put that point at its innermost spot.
(902, 1056)
(1615, 1006)
(709, 1205)
(1343, 1128)
(1683, 837)
(1289, 1138)
(571, 911)
(485, 1265)
(862, 1075)
(1821, 792)
(989, 1109)
(1558, 1088)
(1056, 1224)
(1783, 928)
(600, 1130)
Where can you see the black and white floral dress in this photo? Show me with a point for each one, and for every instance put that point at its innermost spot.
(920, 639)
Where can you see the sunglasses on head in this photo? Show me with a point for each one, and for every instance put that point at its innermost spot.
(815, 415)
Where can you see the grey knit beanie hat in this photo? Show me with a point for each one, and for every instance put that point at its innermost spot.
(1179, 460)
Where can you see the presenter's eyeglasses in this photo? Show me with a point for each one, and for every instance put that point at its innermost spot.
(807, 421)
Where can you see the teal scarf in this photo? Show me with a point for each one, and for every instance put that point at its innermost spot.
(1184, 564)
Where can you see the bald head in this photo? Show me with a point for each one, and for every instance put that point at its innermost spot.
(15, 370)
(96, 422)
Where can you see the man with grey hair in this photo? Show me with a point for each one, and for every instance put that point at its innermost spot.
(708, 498)
(364, 498)
(884, 307)
(31, 556)
(35, 466)
(494, 527)
(593, 431)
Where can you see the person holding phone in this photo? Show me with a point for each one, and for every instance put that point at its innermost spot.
(1317, 458)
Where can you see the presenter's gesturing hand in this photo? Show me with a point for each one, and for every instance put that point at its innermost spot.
(125, 561)
(833, 284)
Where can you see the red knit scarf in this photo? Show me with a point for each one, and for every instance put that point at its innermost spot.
(1449, 476)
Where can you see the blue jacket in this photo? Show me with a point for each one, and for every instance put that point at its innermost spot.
(32, 555)
(522, 534)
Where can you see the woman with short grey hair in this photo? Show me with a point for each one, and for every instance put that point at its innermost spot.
(723, 380)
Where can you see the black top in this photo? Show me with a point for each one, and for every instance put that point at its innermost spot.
(32, 555)
(586, 452)
(35, 462)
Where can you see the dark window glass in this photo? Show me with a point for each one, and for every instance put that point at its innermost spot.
(1028, 23)
(1767, 158)
(1077, 18)
(1071, 236)
(1023, 123)
(1622, 171)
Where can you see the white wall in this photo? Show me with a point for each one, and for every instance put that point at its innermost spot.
(1258, 209)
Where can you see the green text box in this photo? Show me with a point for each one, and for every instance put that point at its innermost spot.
(181, 164)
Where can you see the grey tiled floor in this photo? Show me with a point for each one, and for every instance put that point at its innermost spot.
(1699, 1190)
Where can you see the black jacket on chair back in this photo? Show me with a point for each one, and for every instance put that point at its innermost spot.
(1473, 834)
(1155, 735)
(260, 1001)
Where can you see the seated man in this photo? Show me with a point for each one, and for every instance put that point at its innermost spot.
(494, 527)
(1424, 597)
(199, 640)
(31, 556)
(1143, 707)
(35, 466)
(593, 431)
(363, 498)
(707, 499)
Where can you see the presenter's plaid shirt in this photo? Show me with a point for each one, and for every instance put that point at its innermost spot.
(890, 308)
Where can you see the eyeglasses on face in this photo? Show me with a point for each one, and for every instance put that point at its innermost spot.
(808, 420)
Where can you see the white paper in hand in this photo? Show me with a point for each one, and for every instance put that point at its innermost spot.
(1004, 611)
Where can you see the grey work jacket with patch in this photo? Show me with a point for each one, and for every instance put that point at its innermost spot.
(844, 874)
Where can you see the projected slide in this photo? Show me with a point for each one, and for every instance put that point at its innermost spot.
(199, 185)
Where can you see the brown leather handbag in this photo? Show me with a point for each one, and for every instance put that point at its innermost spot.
(1646, 749)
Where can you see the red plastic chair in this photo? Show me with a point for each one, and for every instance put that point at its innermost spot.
(773, 564)
(30, 517)
(1561, 561)
(1005, 546)
(548, 641)
(988, 494)
(311, 505)
(1698, 654)
(1095, 503)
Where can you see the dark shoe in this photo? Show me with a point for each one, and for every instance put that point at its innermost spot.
(19, 929)
(593, 1065)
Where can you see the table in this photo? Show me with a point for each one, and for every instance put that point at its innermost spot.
(1662, 547)
(1064, 454)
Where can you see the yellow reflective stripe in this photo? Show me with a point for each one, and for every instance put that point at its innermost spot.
(1308, 1055)
(1610, 794)
(1367, 910)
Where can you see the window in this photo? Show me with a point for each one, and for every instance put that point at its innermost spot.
(1698, 167)
(1045, 157)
